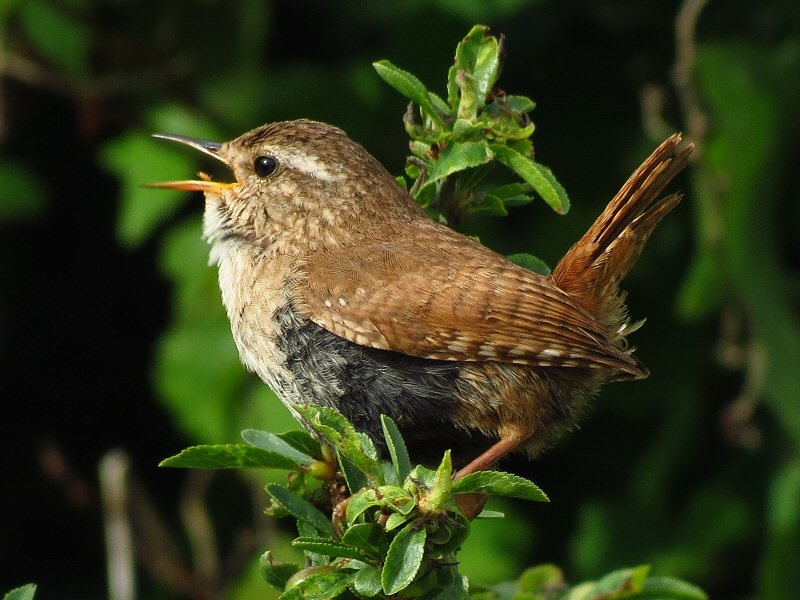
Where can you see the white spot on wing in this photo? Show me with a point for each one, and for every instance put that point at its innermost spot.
(549, 352)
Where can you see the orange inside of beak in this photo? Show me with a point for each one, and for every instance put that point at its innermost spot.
(203, 184)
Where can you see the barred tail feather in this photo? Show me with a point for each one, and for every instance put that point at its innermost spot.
(593, 268)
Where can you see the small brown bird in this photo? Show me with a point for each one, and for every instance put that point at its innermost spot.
(342, 292)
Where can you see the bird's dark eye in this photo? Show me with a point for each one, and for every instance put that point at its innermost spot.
(264, 166)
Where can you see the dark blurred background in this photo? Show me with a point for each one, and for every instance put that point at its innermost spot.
(112, 334)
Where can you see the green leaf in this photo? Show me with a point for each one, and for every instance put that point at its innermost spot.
(135, 158)
(276, 445)
(397, 447)
(359, 502)
(466, 131)
(513, 194)
(439, 104)
(403, 559)
(354, 478)
(394, 496)
(454, 586)
(411, 87)
(22, 194)
(530, 262)
(303, 441)
(621, 583)
(178, 117)
(395, 520)
(275, 572)
(301, 508)
(368, 582)
(541, 579)
(461, 86)
(349, 442)
(370, 538)
(24, 592)
(453, 90)
(305, 529)
(329, 547)
(468, 99)
(59, 33)
(669, 588)
(451, 534)
(486, 68)
(489, 206)
(227, 456)
(704, 287)
(420, 481)
(540, 177)
(459, 157)
(521, 104)
(499, 483)
(318, 583)
(441, 491)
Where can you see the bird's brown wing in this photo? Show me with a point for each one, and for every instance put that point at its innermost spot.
(438, 295)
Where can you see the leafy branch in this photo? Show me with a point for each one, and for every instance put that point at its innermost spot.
(477, 127)
(372, 528)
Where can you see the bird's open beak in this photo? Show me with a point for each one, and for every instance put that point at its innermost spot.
(204, 183)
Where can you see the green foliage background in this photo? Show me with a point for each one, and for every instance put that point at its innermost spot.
(112, 333)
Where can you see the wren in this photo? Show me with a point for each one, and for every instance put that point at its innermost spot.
(341, 292)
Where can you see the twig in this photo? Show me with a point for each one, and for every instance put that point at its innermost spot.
(199, 529)
(683, 71)
(120, 564)
(29, 71)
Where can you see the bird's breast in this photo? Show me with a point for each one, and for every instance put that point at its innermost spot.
(254, 291)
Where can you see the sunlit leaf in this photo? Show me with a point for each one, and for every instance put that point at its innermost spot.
(274, 444)
(541, 579)
(486, 68)
(403, 559)
(319, 583)
(396, 520)
(539, 176)
(499, 483)
(621, 583)
(349, 442)
(302, 441)
(458, 157)
(228, 456)
(25, 592)
(368, 582)
(397, 447)
(408, 85)
(669, 588)
(302, 509)
(521, 104)
(361, 501)
(329, 547)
